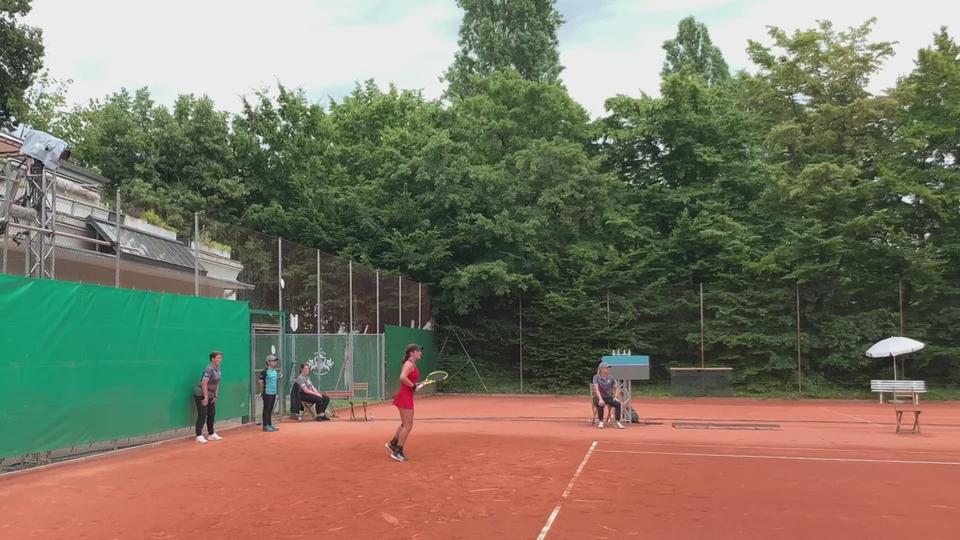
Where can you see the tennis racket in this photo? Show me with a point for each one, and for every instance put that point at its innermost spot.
(433, 377)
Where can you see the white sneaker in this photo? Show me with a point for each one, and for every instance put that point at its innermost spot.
(619, 425)
(201, 439)
(216, 437)
(599, 425)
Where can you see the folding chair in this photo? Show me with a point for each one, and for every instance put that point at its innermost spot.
(360, 388)
(909, 406)
(593, 408)
(297, 405)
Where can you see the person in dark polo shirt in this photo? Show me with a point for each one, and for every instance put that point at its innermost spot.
(205, 395)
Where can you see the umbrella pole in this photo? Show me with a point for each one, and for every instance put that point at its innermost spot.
(894, 367)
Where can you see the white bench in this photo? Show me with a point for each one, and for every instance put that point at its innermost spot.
(906, 396)
(899, 389)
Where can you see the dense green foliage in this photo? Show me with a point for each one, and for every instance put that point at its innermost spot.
(789, 183)
(21, 57)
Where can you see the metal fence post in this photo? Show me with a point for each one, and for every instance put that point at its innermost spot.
(116, 262)
(380, 366)
(196, 251)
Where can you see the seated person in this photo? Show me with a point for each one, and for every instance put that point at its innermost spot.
(310, 394)
(606, 391)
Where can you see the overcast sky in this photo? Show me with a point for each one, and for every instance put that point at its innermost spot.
(228, 48)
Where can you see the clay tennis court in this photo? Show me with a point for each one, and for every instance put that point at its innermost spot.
(512, 467)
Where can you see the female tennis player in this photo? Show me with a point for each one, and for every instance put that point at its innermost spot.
(409, 375)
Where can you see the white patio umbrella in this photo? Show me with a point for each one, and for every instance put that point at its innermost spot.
(894, 347)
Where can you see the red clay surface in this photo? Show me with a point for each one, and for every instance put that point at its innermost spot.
(499, 467)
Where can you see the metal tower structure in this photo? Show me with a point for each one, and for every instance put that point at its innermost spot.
(30, 203)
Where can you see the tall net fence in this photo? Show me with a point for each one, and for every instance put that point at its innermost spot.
(808, 337)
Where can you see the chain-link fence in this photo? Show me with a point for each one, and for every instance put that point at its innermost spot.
(808, 337)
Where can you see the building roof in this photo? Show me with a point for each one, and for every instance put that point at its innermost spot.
(8, 147)
(147, 247)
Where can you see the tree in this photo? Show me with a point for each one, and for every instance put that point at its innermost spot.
(506, 34)
(832, 225)
(114, 136)
(21, 57)
(926, 166)
(693, 50)
(45, 104)
(173, 163)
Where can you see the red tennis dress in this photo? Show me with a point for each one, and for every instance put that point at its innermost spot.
(404, 397)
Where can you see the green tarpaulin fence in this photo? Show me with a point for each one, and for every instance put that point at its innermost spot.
(84, 363)
(397, 339)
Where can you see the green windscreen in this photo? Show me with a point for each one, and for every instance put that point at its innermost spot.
(397, 339)
(84, 363)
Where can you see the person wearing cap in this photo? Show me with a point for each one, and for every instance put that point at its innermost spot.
(269, 381)
(409, 375)
(605, 392)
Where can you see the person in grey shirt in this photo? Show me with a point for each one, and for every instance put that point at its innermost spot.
(310, 394)
(205, 395)
(606, 391)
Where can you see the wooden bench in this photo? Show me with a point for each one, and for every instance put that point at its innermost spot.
(357, 396)
(906, 399)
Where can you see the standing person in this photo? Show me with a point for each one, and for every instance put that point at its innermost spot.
(605, 391)
(269, 379)
(409, 375)
(310, 394)
(205, 395)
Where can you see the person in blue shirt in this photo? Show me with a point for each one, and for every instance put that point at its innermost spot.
(269, 382)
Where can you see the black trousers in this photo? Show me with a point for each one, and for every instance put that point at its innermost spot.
(610, 402)
(205, 413)
(268, 401)
(320, 402)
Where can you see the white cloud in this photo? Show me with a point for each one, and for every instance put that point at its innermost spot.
(622, 52)
(228, 48)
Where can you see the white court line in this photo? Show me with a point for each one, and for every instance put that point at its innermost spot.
(797, 448)
(787, 458)
(566, 492)
(854, 417)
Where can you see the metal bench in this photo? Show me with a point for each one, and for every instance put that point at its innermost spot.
(899, 389)
(906, 399)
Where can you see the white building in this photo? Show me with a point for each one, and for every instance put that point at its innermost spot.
(152, 258)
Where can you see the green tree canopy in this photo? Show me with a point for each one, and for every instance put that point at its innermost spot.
(693, 50)
(21, 57)
(506, 34)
